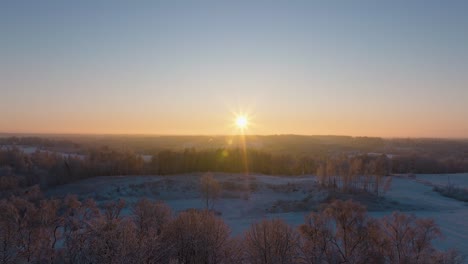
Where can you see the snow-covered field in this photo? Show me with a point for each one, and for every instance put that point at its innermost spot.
(458, 180)
(451, 215)
(246, 199)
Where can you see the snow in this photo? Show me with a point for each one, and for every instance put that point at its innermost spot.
(449, 214)
(249, 198)
(458, 180)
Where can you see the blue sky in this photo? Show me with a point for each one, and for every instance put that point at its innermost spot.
(383, 68)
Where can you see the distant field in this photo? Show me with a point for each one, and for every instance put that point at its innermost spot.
(458, 180)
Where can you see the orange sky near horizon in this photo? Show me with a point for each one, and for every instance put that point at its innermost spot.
(261, 124)
(366, 68)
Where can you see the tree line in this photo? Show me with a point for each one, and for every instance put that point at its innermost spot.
(344, 171)
(37, 230)
(50, 168)
(233, 160)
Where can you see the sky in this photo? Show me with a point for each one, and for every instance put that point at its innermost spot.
(361, 68)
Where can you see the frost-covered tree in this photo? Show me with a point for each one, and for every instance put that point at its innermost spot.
(271, 242)
(151, 219)
(341, 233)
(198, 237)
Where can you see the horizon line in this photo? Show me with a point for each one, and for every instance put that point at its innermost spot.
(23, 134)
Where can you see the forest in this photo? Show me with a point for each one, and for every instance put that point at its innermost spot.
(50, 169)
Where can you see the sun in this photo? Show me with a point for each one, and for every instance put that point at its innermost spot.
(242, 122)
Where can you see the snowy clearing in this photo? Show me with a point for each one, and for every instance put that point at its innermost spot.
(246, 199)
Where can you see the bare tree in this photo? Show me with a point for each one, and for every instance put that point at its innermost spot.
(352, 231)
(78, 216)
(271, 242)
(317, 236)
(321, 174)
(355, 172)
(409, 239)
(331, 172)
(50, 225)
(210, 190)
(151, 219)
(111, 241)
(8, 232)
(198, 237)
(341, 233)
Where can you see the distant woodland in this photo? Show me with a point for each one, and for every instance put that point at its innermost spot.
(343, 162)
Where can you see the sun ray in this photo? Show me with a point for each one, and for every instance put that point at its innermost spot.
(242, 122)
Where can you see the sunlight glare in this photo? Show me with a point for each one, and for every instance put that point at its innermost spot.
(241, 122)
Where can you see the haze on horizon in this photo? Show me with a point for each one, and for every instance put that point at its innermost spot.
(359, 68)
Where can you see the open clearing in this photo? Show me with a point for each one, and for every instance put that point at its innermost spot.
(246, 199)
